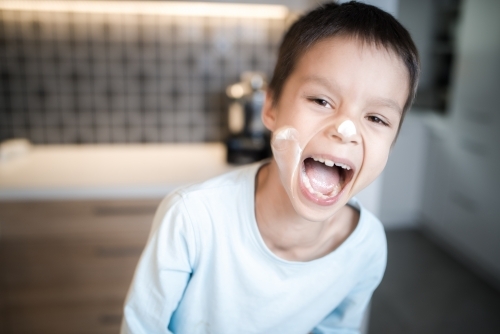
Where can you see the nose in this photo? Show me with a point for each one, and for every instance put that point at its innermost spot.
(344, 130)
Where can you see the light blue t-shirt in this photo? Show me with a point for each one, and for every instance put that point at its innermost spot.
(206, 269)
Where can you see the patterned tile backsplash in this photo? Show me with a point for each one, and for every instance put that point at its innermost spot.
(116, 78)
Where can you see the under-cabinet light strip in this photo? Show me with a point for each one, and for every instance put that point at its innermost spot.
(151, 8)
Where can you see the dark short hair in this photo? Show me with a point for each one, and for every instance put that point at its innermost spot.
(364, 22)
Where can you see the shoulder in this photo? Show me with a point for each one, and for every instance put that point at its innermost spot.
(211, 202)
(194, 215)
(188, 199)
(240, 177)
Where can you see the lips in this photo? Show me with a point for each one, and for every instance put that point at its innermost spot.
(323, 179)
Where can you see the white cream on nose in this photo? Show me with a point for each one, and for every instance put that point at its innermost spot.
(347, 129)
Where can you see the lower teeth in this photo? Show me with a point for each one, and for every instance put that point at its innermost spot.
(307, 184)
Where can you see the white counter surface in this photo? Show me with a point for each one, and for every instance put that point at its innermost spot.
(108, 171)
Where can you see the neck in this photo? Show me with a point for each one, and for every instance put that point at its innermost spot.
(287, 234)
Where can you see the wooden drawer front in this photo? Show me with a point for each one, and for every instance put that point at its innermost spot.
(65, 267)
(55, 286)
(88, 219)
(65, 319)
(46, 262)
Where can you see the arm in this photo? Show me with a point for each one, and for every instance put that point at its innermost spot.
(163, 271)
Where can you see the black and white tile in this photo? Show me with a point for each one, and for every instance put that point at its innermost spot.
(111, 78)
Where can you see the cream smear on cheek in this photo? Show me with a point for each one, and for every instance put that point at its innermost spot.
(347, 129)
(287, 153)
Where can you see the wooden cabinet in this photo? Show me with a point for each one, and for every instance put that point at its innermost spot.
(65, 266)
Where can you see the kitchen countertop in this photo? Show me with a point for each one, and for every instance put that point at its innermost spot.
(108, 171)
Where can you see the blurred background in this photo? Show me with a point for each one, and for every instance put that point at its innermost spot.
(107, 106)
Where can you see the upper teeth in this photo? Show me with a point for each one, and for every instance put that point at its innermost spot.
(330, 163)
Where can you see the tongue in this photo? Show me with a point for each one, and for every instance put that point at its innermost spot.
(323, 179)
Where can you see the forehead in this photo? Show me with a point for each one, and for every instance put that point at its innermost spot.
(349, 65)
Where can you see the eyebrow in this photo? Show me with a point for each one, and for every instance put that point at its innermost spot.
(322, 81)
(383, 102)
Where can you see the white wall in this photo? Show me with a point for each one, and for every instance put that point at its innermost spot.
(462, 203)
(404, 175)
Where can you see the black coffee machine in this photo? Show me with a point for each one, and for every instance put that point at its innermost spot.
(248, 139)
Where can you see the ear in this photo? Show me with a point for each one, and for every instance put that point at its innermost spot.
(269, 111)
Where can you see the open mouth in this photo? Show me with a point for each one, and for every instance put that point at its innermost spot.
(324, 179)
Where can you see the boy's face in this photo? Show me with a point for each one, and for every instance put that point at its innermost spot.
(339, 80)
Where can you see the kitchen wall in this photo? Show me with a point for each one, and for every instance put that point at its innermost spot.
(461, 203)
(118, 78)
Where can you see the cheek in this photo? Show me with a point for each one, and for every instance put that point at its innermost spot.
(381, 161)
(305, 128)
(297, 113)
(376, 158)
(377, 146)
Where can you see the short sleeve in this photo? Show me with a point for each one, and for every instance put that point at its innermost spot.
(163, 271)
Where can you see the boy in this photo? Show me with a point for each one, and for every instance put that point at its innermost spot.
(281, 246)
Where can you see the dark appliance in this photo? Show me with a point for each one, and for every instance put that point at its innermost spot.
(248, 139)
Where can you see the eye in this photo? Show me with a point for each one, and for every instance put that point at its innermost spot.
(320, 102)
(378, 120)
